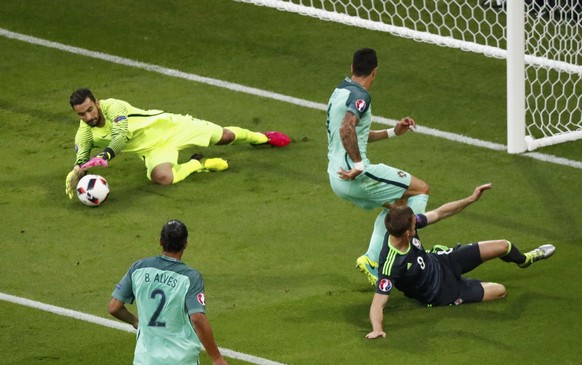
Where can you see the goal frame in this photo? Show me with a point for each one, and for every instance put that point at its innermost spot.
(516, 128)
(518, 61)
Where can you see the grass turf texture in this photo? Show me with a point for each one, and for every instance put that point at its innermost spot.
(275, 245)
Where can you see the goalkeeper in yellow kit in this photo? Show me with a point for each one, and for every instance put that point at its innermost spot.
(156, 136)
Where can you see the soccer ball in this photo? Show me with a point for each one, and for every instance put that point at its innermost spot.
(92, 190)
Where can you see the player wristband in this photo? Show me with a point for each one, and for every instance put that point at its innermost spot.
(106, 154)
(359, 166)
(391, 132)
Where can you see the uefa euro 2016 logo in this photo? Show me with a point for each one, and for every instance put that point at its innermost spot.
(200, 298)
(385, 285)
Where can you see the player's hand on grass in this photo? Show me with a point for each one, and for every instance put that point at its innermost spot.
(375, 334)
(72, 180)
(215, 164)
(95, 161)
(405, 125)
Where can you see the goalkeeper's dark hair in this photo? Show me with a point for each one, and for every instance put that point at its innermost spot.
(174, 236)
(399, 220)
(80, 95)
(364, 62)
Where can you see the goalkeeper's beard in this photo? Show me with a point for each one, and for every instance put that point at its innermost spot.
(97, 122)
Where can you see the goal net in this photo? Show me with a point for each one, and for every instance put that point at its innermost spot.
(541, 40)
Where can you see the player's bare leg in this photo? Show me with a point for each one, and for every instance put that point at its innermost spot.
(493, 291)
(416, 187)
(508, 252)
(417, 195)
(162, 174)
(497, 248)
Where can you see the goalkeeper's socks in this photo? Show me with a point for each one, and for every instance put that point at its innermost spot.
(182, 171)
(418, 203)
(242, 135)
(513, 255)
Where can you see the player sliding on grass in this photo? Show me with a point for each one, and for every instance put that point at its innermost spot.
(435, 278)
(154, 135)
(352, 176)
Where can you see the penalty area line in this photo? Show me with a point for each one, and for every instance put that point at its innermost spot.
(117, 325)
(270, 95)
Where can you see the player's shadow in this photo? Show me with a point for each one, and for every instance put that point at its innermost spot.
(564, 215)
(405, 319)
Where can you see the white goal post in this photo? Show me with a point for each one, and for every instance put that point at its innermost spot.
(540, 39)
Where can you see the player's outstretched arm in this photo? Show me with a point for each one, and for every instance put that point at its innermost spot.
(403, 126)
(377, 316)
(448, 209)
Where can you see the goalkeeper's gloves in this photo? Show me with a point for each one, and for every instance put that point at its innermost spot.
(72, 180)
(100, 159)
(95, 161)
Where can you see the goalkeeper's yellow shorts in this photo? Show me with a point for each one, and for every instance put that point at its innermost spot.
(187, 132)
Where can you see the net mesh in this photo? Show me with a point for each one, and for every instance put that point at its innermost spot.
(553, 44)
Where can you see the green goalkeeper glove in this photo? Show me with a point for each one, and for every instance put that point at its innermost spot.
(72, 180)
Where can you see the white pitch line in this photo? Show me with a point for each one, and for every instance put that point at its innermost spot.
(117, 325)
(271, 95)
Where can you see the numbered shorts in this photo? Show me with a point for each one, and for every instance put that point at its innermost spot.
(377, 185)
(455, 288)
(179, 132)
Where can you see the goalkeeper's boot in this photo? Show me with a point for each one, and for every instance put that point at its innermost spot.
(210, 164)
(368, 267)
(277, 139)
(215, 164)
(540, 253)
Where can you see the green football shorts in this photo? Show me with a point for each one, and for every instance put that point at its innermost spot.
(377, 185)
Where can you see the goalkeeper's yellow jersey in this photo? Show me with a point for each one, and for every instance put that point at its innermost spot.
(127, 129)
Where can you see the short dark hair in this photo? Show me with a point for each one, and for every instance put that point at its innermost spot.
(398, 220)
(174, 236)
(364, 62)
(80, 95)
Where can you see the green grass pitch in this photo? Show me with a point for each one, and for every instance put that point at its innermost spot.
(276, 247)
